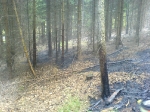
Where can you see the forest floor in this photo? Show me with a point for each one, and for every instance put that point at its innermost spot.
(128, 68)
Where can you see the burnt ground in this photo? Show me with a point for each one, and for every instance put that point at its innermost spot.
(128, 68)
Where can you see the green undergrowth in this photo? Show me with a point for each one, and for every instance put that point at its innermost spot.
(72, 104)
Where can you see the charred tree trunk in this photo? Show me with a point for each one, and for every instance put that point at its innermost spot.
(102, 55)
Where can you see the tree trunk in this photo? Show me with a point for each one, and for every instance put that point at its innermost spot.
(106, 2)
(138, 21)
(79, 31)
(55, 29)
(93, 24)
(48, 2)
(29, 48)
(1, 42)
(119, 25)
(63, 32)
(68, 25)
(34, 33)
(102, 55)
(60, 30)
(110, 20)
(7, 35)
(127, 17)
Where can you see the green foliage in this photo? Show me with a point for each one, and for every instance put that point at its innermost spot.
(73, 104)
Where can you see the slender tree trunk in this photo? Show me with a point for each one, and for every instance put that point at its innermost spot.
(1, 42)
(34, 33)
(55, 25)
(93, 24)
(110, 19)
(29, 48)
(60, 28)
(106, 2)
(138, 21)
(127, 17)
(79, 31)
(102, 55)
(63, 32)
(119, 25)
(68, 25)
(48, 2)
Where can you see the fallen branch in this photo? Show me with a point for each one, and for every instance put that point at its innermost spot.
(112, 97)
